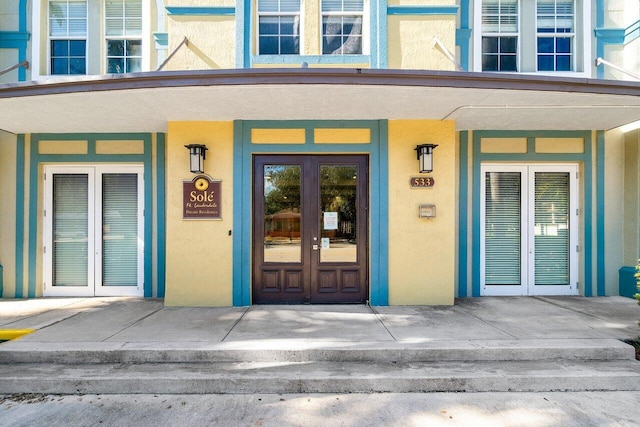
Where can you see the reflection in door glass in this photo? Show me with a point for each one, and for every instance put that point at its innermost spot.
(338, 213)
(282, 214)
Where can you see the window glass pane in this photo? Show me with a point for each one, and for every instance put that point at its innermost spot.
(489, 62)
(115, 47)
(134, 65)
(545, 45)
(545, 63)
(551, 228)
(508, 45)
(59, 47)
(70, 229)
(338, 216)
(268, 45)
(120, 229)
(563, 63)
(115, 65)
(282, 213)
(59, 66)
(268, 25)
(77, 48)
(77, 66)
(508, 63)
(563, 45)
(502, 228)
(134, 47)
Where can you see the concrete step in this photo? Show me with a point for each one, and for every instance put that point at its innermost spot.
(314, 351)
(320, 377)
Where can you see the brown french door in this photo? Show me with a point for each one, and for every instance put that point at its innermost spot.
(310, 229)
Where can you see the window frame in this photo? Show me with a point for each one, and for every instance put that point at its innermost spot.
(69, 38)
(555, 35)
(123, 37)
(344, 14)
(527, 44)
(279, 14)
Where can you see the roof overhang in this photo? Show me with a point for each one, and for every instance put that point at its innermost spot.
(146, 102)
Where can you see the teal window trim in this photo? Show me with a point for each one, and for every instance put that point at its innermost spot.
(244, 23)
(463, 212)
(200, 11)
(531, 156)
(422, 10)
(378, 182)
(311, 59)
(161, 39)
(35, 159)
(20, 201)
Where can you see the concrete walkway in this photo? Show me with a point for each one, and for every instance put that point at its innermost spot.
(115, 322)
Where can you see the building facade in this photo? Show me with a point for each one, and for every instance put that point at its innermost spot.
(310, 116)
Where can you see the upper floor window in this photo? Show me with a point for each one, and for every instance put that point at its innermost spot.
(68, 36)
(548, 43)
(500, 35)
(342, 27)
(278, 27)
(123, 33)
(555, 33)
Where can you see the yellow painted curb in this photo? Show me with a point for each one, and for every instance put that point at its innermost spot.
(12, 334)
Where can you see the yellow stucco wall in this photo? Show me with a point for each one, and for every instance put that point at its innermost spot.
(8, 210)
(631, 197)
(410, 40)
(421, 251)
(199, 252)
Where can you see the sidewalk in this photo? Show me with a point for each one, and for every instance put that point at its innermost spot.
(103, 323)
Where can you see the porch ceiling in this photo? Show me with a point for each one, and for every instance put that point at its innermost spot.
(146, 102)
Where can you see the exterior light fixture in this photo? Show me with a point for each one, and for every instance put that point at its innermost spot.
(197, 154)
(425, 156)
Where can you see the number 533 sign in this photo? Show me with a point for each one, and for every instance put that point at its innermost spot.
(421, 182)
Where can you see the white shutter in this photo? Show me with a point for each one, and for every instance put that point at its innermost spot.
(120, 229)
(555, 16)
(503, 228)
(500, 16)
(70, 229)
(279, 6)
(551, 228)
(123, 18)
(68, 18)
(342, 5)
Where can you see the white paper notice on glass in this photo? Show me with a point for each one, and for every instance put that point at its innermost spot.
(331, 220)
(326, 243)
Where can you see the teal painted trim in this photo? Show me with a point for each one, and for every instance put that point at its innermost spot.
(600, 11)
(243, 172)
(600, 218)
(161, 209)
(463, 40)
(422, 10)
(627, 283)
(463, 212)
(20, 200)
(379, 35)
(1, 281)
(311, 59)
(587, 186)
(379, 215)
(610, 35)
(14, 38)
(148, 217)
(161, 39)
(200, 11)
(91, 157)
(244, 23)
(632, 32)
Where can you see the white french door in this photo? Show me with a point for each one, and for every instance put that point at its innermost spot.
(529, 229)
(94, 229)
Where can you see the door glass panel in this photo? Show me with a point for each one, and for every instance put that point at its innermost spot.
(282, 213)
(70, 229)
(551, 228)
(120, 229)
(502, 228)
(338, 217)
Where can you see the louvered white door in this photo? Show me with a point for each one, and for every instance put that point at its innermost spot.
(529, 230)
(93, 231)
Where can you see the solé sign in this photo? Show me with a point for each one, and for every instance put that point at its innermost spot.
(201, 198)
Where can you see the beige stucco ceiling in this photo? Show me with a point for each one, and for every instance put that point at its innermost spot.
(146, 102)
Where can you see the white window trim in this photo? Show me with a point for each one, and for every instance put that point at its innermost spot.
(94, 272)
(143, 37)
(364, 14)
(299, 14)
(583, 59)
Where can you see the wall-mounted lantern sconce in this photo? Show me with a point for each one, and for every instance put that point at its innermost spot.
(197, 154)
(425, 156)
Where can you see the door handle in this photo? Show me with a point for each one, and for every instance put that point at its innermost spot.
(315, 247)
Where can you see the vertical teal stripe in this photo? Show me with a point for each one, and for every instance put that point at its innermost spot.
(241, 231)
(20, 159)
(600, 209)
(32, 208)
(161, 209)
(600, 9)
(463, 227)
(588, 219)
(379, 214)
(148, 217)
(477, 197)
